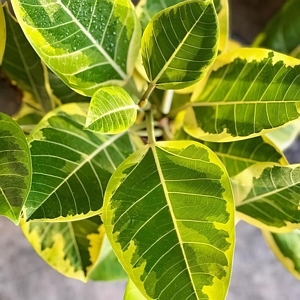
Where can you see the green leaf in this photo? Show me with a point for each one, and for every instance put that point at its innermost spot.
(169, 215)
(283, 31)
(23, 66)
(2, 33)
(15, 170)
(132, 292)
(180, 43)
(267, 196)
(63, 92)
(286, 247)
(71, 166)
(72, 248)
(111, 111)
(243, 95)
(86, 43)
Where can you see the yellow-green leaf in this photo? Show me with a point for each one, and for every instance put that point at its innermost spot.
(86, 43)
(111, 111)
(132, 292)
(180, 43)
(2, 33)
(169, 215)
(244, 94)
(15, 169)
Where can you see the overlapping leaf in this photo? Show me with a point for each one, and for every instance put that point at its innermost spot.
(71, 166)
(2, 33)
(180, 43)
(286, 247)
(267, 196)
(73, 248)
(168, 213)
(23, 65)
(283, 31)
(249, 92)
(15, 168)
(86, 43)
(111, 111)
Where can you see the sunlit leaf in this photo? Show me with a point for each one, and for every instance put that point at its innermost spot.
(267, 196)
(15, 168)
(23, 65)
(244, 95)
(71, 166)
(180, 43)
(72, 248)
(2, 33)
(169, 215)
(286, 247)
(283, 31)
(111, 111)
(86, 43)
(132, 292)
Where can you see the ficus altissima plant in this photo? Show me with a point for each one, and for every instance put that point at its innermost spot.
(143, 138)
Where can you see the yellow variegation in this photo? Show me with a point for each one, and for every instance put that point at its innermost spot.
(169, 215)
(132, 292)
(111, 111)
(2, 33)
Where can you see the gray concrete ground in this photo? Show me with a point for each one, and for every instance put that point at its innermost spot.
(257, 275)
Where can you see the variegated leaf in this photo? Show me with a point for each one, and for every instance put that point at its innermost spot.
(15, 169)
(132, 292)
(111, 111)
(180, 43)
(2, 33)
(86, 43)
(169, 215)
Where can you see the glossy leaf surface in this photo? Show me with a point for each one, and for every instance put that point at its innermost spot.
(24, 67)
(15, 168)
(111, 111)
(169, 215)
(2, 33)
(180, 43)
(267, 196)
(243, 95)
(72, 248)
(71, 166)
(286, 247)
(86, 43)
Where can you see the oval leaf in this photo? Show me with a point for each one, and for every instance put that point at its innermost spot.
(71, 166)
(15, 168)
(86, 43)
(112, 111)
(243, 95)
(2, 33)
(169, 215)
(180, 43)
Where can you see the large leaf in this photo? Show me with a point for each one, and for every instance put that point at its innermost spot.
(71, 166)
(23, 66)
(15, 168)
(72, 248)
(169, 215)
(86, 43)
(249, 92)
(2, 33)
(180, 43)
(267, 196)
(286, 247)
(111, 111)
(282, 33)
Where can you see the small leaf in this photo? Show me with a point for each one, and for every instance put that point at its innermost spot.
(286, 247)
(2, 33)
(111, 111)
(71, 166)
(72, 248)
(15, 170)
(86, 43)
(23, 66)
(243, 95)
(169, 215)
(180, 43)
(267, 196)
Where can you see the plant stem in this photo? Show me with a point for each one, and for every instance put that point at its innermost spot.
(146, 95)
(150, 126)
